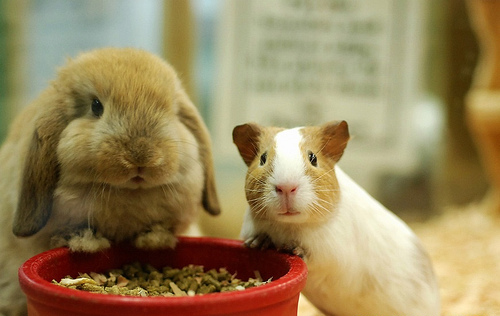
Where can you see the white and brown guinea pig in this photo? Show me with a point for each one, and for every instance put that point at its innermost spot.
(362, 259)
(113, 150)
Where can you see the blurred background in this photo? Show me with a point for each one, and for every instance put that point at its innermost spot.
(400, 72)
(396, 70)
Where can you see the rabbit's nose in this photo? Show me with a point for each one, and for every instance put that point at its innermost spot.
(142, 153)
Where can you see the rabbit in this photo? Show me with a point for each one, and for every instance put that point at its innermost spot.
(112, 151)
(361, 258)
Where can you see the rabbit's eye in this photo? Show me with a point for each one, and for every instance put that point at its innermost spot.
(313, 159)
(97, 107)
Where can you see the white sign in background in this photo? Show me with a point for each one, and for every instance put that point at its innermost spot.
(299, 62)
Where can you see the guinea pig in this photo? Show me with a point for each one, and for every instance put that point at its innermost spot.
(362, 259)
(112, 151)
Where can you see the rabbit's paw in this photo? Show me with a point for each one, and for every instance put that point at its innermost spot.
(157, 237)
(85, 240)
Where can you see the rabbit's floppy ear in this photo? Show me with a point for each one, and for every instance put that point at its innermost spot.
(190, 117)
(41, 168)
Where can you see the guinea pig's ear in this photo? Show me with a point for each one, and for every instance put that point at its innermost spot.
(190, 117)
(246, 138)
(41, 169)
(335, 136)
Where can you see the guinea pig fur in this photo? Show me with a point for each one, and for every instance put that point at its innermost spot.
(113, 150)
(362, 259)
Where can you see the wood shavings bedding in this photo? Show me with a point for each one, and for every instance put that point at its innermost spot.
(464, 245)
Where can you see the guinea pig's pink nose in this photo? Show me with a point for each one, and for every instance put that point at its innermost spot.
(286, 188)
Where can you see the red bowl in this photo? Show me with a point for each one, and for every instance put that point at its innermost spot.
(279, 297)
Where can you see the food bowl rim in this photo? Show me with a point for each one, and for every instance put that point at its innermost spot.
(37, 288)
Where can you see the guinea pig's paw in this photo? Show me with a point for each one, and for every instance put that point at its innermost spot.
(157, 237)
(82, 241)
(293, 250)
(259, 241)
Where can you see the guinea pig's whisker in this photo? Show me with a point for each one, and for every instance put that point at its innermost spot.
(261, 186)
(331, 192)
(259, 206)
(258, 199)
(325, 201)
(256, 180)
(256, 190)
(324, 174)
(261, 211)
(325, 190)
(319, 209)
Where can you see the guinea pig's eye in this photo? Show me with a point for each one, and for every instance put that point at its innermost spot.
(313, 159)
(97, 107)
(263, 158)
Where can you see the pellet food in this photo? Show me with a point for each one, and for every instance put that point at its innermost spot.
(138, 279)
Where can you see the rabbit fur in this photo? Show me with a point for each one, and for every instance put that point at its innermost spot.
(113, 150)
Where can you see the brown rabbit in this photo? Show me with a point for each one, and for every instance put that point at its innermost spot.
(113, 150)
